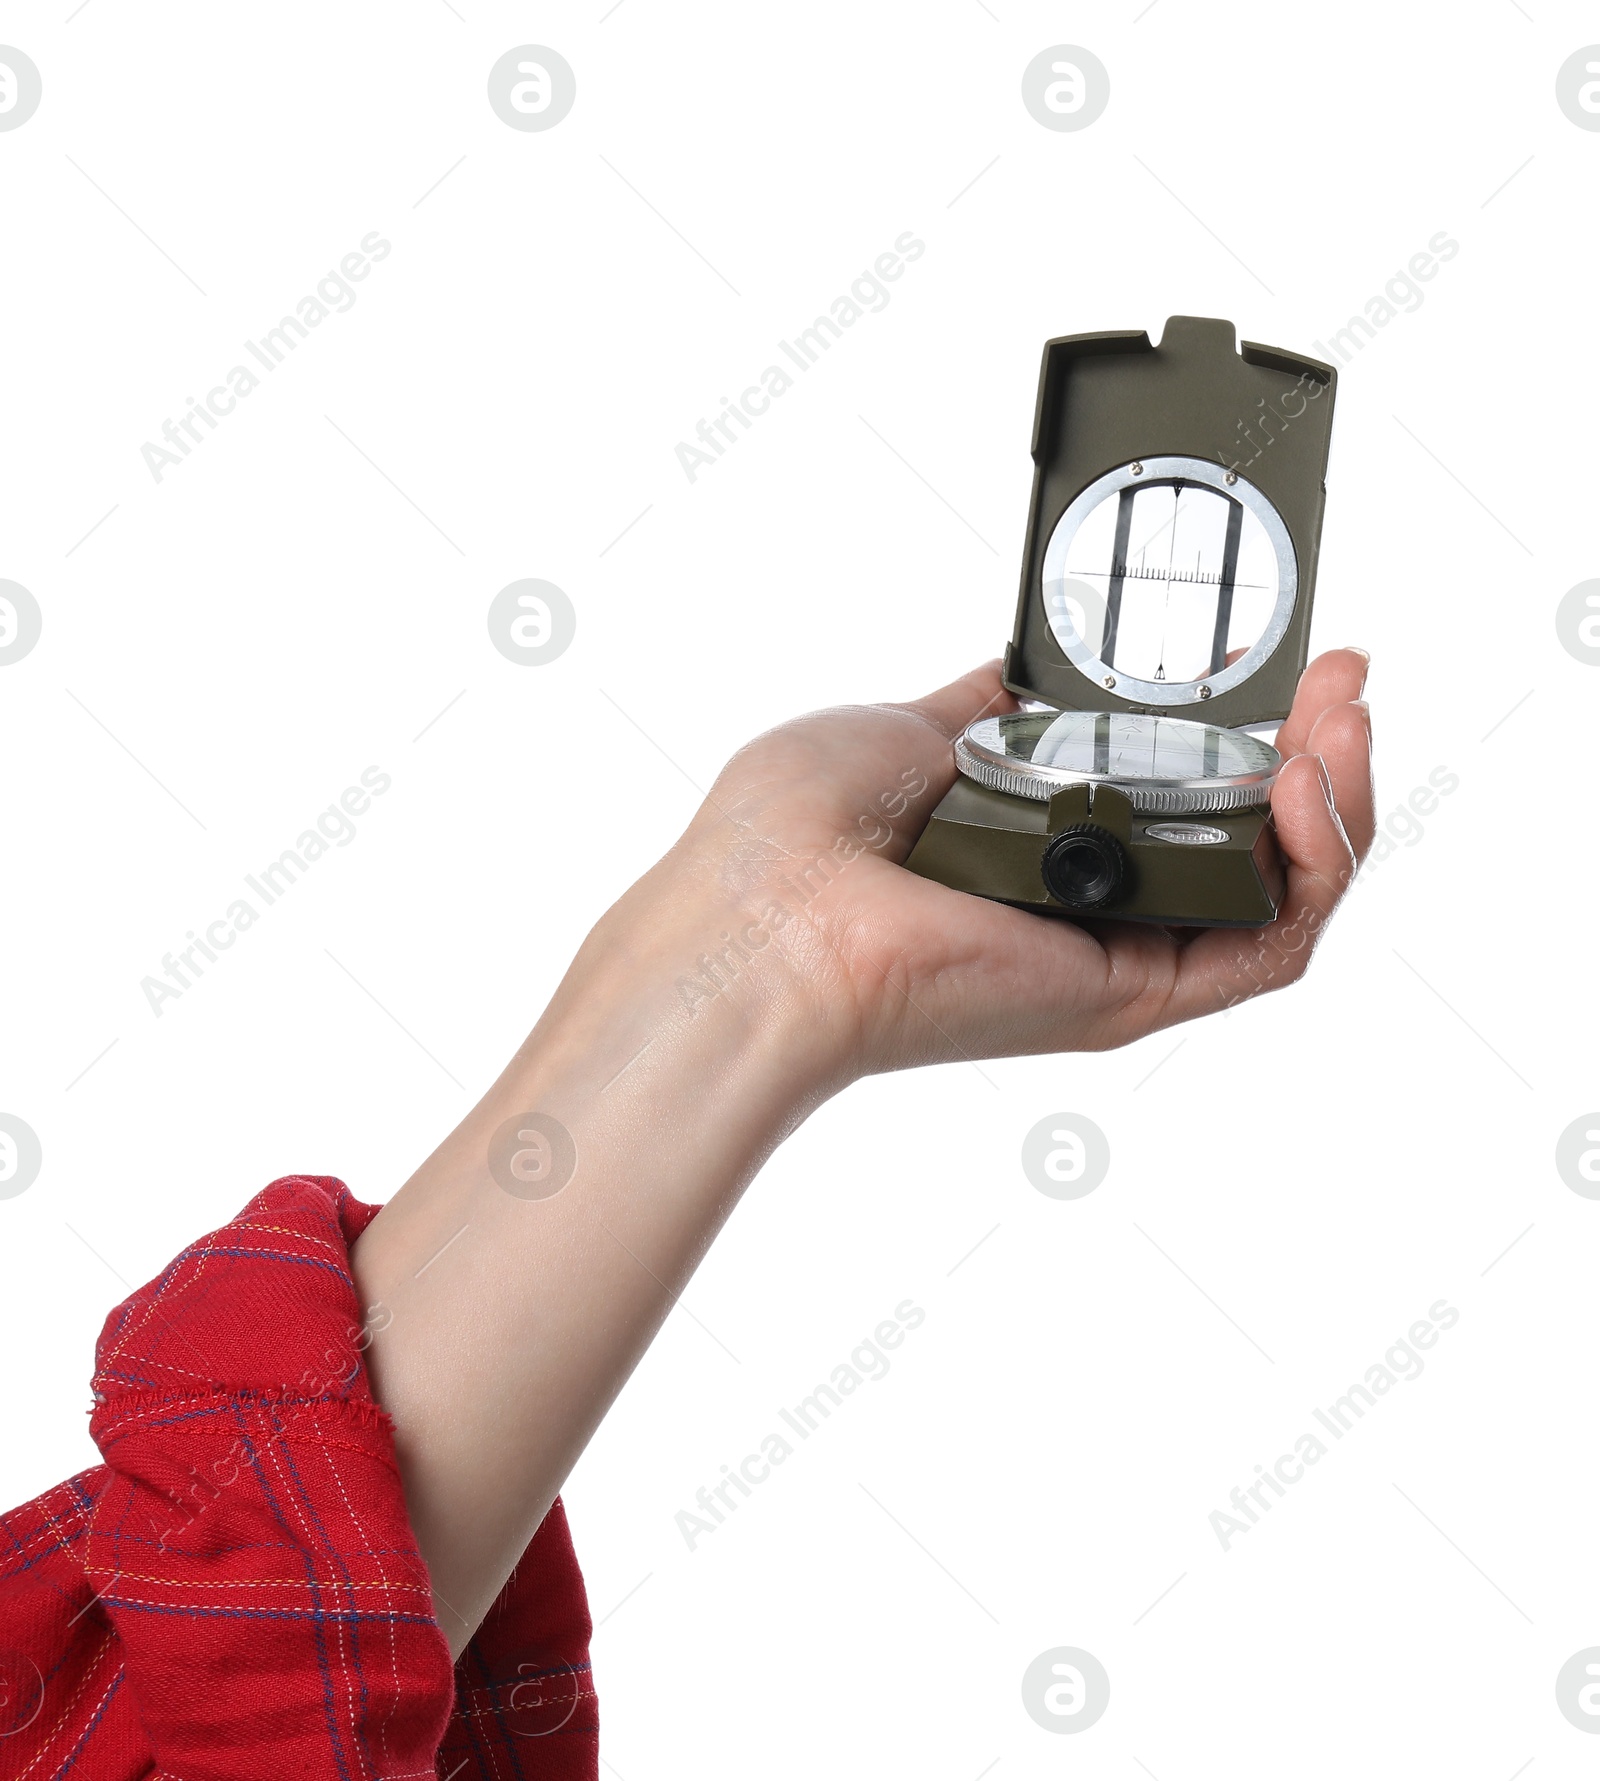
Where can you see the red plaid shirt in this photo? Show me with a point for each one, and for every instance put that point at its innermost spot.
(236, 1591)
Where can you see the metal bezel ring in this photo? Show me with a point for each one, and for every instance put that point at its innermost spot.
(1163, 797)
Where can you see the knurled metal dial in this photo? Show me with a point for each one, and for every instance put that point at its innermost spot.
(1163, 765)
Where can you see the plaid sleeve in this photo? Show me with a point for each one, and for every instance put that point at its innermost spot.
(236, 1591)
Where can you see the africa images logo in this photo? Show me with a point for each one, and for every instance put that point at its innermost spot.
(1401, 1363)
(869, 294)
(334, 827)
(868, 1363)
(335, 294)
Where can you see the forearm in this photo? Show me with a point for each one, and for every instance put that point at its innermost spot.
(511, 1320)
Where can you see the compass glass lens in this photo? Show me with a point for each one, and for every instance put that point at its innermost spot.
(1166, 580)
(1121, 745)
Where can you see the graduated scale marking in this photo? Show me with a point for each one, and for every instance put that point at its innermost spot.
(1126, 572)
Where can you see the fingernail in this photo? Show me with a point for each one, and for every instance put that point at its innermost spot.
(1366, 714)
(1327, 783)
(1366, 662)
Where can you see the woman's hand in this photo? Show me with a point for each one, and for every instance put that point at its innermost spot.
(806, 830)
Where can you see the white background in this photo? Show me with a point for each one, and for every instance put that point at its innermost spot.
(274, 616)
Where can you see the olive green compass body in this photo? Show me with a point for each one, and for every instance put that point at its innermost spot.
(1164, 614)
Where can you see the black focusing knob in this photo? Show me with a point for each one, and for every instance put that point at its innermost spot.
(1084, 867)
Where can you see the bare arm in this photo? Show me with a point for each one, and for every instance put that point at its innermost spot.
(524, 1275)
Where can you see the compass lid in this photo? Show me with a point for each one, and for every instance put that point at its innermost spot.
(1172, 536)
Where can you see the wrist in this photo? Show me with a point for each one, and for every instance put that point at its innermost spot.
(710, 982)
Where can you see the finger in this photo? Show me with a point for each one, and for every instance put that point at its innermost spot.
(1315, 846)
(1336, 678)
(963, 701)
(1228, 660)
(1223, 967)
(1342, 739)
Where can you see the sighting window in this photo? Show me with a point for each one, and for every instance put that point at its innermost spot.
(1167, 582)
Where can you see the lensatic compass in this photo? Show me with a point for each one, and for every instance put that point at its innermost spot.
(1164, 615)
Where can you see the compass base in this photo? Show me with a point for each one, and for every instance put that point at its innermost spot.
(1208, 871)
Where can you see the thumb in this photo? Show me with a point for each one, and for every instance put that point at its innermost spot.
(963, 701)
